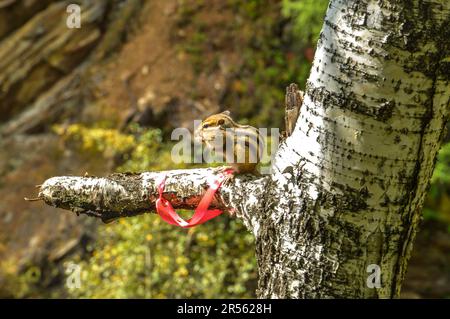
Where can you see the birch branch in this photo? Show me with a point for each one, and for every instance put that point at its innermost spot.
(128, 194)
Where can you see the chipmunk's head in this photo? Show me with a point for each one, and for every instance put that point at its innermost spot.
(222, 120)
(213, 124)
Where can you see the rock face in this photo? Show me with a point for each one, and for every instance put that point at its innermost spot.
(43, 62)
(45, 78)
(14, 13)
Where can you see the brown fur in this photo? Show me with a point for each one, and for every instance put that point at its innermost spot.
(246, 140)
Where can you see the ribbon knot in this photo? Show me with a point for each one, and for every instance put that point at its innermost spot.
(201, 213)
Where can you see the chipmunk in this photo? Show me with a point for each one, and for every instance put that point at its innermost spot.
(240, 146)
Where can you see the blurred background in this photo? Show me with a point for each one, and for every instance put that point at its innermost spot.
(104, 98)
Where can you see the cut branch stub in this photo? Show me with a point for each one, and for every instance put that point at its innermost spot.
(293, 101)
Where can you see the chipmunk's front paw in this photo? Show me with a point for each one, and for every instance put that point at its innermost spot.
(228, 173)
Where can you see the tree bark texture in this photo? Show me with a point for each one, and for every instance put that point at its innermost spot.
(356, 169)
(348, 185)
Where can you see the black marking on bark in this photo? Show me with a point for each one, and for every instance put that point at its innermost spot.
(349, 101)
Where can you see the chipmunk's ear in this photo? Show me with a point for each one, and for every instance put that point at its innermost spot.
(227, 113)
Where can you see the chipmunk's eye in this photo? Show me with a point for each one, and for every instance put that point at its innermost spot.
(221, 121)
(205, 125)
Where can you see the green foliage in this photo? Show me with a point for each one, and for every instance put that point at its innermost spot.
(106, 141)
(142, 257)
(148, 152)
(19, 286)
(437, 205)
(273, 58)
(441, 174)
(308, 16)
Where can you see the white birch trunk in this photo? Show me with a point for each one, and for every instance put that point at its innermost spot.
(356, 169)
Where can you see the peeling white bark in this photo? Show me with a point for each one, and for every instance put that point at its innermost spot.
(349, 183)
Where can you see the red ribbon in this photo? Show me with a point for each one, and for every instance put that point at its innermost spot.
(201, 213)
